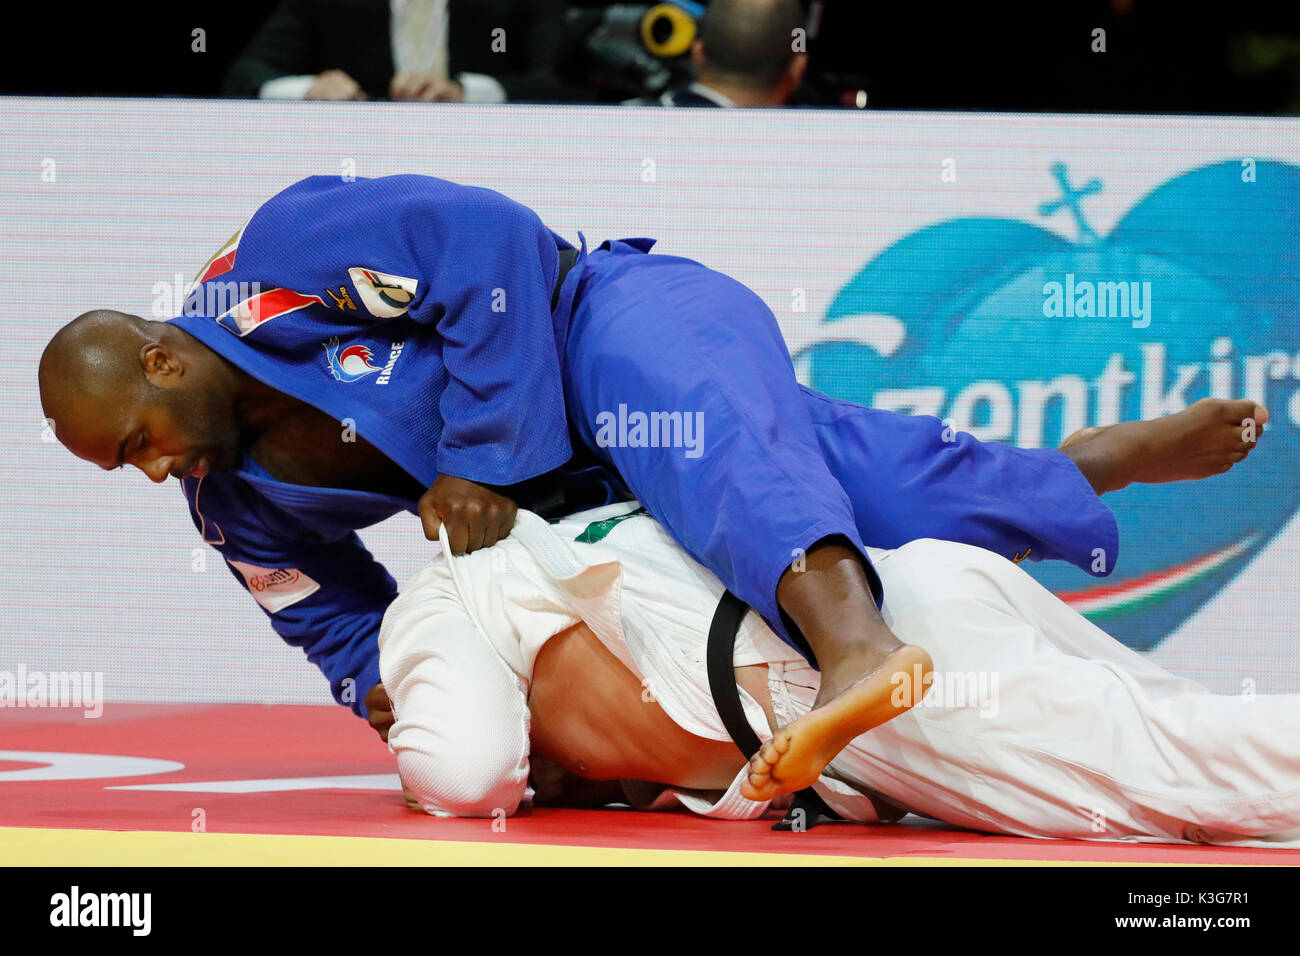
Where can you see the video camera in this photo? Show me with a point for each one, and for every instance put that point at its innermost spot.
(630, 49)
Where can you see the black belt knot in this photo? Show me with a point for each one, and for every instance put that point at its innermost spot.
(567, 259)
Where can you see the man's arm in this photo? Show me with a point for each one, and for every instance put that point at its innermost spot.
(500, 354)
(474, 268)
(283, 47)
(327, 597)
(337, 626)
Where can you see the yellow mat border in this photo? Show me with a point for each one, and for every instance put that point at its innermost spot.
(31, 846)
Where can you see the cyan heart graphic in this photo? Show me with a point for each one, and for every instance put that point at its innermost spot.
(983, 321)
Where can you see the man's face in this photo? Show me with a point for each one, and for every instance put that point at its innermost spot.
(181, 428)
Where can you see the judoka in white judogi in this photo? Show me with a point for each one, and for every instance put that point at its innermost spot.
(1036, 724)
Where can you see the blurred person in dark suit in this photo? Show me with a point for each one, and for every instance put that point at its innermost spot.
(473, 51)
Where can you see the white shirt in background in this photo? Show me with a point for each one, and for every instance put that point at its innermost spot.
(419, 38)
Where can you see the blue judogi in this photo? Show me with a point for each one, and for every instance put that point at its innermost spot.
(782, 466)
(422, 311)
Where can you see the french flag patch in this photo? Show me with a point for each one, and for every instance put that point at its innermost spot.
(263, 307)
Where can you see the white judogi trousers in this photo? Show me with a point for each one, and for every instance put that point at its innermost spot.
(1036, 723)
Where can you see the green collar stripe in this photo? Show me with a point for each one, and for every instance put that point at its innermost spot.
(598, 529)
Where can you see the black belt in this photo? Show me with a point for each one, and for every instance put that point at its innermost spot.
(807, 809)
(567, 258)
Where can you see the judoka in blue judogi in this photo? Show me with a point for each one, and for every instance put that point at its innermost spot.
(461, 337)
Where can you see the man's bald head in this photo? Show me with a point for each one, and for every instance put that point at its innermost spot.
(750, 42)
(120, 389)
(94, 359)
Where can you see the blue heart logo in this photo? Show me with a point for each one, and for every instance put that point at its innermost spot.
(1016, 334)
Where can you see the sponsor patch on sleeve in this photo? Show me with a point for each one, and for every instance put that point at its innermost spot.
(383, 295)
(276, 588)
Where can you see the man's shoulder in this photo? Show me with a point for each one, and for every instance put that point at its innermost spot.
(685, 96)
(347, 212)
(349, 188)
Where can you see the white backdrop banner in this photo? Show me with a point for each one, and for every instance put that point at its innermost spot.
(1017, 275)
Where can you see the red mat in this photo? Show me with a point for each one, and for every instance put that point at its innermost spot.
(221, 745)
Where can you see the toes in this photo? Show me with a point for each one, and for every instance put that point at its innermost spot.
(758, 785)
(769, 755)
(1236, 410)
(776, 747)
(1249, 435)
(1233, 438)
(1238, 413)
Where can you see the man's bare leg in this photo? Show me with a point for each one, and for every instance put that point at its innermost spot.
(830, 601)
(1204, 439)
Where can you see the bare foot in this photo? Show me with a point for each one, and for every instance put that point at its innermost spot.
(1204, 439)
(796, 754)
(411, 802)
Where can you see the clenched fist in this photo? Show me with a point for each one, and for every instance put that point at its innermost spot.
(475, 516)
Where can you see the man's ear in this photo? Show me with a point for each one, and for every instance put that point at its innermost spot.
(795, 71)
(697, 52)
(161, 367)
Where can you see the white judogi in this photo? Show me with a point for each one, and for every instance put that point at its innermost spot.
(1037, 723)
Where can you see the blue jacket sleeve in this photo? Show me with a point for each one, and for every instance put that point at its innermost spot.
(327, 597)
(504, 401)
(472, 267)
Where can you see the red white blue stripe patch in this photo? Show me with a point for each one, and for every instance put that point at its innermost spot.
(263, 307)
